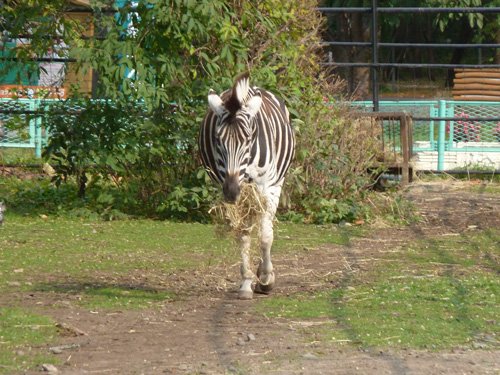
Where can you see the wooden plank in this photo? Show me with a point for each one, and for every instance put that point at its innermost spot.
(476, 86)
(476, 98)
(476, 92)
(478, 74)
(485, 81)
(473, 70)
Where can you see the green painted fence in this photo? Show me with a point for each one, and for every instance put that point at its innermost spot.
(22, 129)
(27, 130)
(462, 135)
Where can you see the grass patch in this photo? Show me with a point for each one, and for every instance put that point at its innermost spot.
(21, 333)
(439, 293)
(62, 248)
(294, 237)
(487, 188)
(18, 156)
(456, 255)
(427, 313)
(73, 246)
(128, 298)
(57, 251)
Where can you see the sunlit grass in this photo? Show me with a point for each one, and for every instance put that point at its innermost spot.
(22, 335)
(18, 156)
(110, 296)
(439, 293)
(32, 248)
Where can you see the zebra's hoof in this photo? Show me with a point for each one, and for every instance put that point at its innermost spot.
(245, 294)
(263, 289)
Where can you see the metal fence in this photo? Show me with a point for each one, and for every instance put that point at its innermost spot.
(375, 44)
(447, 127)
(19, 127)
(440, 127)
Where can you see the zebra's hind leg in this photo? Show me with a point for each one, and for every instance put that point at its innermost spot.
(247, 275)
(265, 272)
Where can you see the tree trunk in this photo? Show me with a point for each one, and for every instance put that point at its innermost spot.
(82, 183)
(360, 32)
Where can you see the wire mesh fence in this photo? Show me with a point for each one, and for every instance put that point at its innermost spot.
(467, 130)
(474, 123)
(438, 125)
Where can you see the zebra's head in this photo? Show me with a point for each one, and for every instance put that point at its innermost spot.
(234, 132)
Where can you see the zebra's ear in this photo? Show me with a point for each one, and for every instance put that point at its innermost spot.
(215, 103)
(241, 86)
(253, 105)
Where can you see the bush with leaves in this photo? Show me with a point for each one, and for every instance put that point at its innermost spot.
(100, 143)
(156, 64)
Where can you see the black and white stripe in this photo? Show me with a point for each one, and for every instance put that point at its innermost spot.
(257, 147)
(246, 136)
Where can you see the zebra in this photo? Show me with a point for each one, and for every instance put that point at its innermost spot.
(246, 137)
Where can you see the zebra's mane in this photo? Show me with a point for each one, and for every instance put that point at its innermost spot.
(238, 94)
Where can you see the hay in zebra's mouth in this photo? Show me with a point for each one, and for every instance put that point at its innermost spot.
(242, 216)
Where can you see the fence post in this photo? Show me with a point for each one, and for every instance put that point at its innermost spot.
(38, 129)
(406, 139)
(31, 122)
(451, 128)
(441, 135)
(433, 112)
(374, 69)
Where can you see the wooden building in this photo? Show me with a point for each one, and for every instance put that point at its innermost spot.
(54, 79)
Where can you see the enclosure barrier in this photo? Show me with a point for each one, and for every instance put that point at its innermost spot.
(450, 129)
(396, 142)
(18, 127)
(375, 44)
(439, 126)
(22, 122)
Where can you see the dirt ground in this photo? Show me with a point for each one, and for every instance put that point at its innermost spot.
(210, 331)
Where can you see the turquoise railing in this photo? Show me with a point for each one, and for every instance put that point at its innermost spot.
(13, 133)
(429, 135)
(441, 136)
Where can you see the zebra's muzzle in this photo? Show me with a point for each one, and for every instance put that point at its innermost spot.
(231, 188)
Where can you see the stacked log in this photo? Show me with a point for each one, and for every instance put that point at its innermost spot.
(477, 84)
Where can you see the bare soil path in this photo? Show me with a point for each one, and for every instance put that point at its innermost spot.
(209, 331)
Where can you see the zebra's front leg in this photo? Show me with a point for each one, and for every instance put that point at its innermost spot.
(265, 272)
(247, 275)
